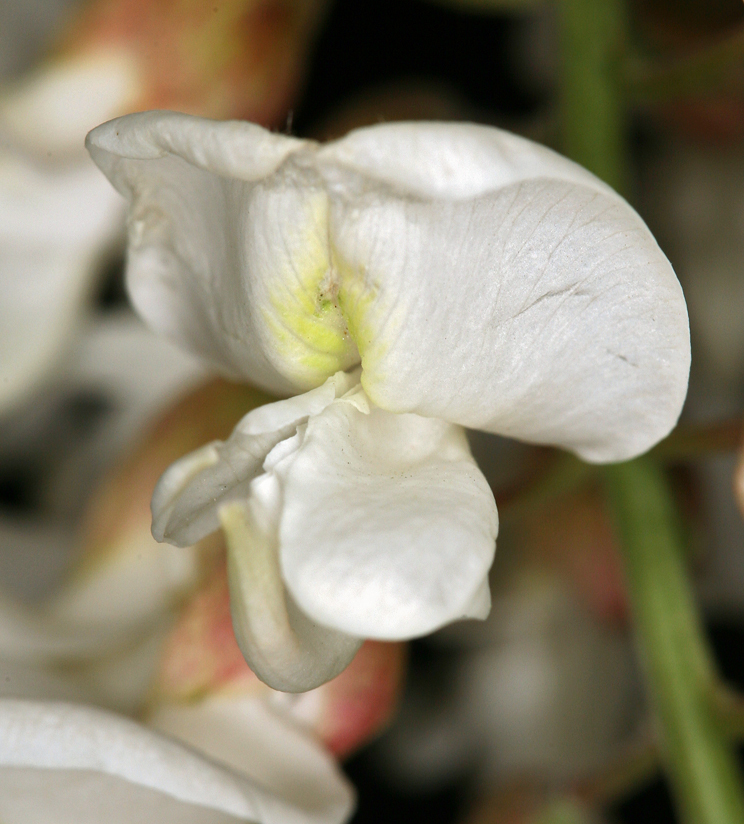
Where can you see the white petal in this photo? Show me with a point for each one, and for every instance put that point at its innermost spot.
(188, 496)
(186, 501)
(55, 224)
(388, 527)
(228, 251)
(71, 763)
(446, 160)
(544, 311)
(230, 149)
(275, 416)
(284, 648)
(481, 278)
(33, 796)
(49, 110)
(56, 219)
(247, 735)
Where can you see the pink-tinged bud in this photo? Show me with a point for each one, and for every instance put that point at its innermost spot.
(202, 655)
(202, 659)
(221, 59)
(576, 538)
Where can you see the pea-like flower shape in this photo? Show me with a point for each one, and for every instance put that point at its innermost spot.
(410, 279)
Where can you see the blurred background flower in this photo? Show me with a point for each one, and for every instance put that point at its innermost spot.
(498, 718)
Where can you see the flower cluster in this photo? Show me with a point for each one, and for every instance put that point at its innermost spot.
(400, 284)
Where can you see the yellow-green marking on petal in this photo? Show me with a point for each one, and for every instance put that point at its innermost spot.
(311, 340)
(371, 322)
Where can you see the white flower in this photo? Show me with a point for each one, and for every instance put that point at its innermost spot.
(476, 278)
(93, 632)
(71, 763)
(57, 223)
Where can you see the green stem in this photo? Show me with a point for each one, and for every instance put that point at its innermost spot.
(699, 758)
(593, 37)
